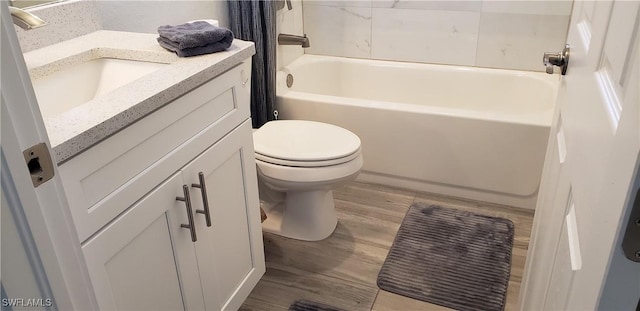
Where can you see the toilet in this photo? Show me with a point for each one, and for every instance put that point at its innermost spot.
(299, 163)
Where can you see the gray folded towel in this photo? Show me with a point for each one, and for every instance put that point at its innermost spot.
(198, 50)
(195, 34)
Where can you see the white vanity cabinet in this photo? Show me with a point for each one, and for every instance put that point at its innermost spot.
(140, 201)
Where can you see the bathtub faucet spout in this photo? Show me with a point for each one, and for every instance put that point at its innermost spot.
(286, 39)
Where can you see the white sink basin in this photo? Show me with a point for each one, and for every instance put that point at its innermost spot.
(76, 85)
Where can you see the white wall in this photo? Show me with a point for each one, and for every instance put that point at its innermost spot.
(497, 34)
(66, 20)
(146, 16)
(70, 19)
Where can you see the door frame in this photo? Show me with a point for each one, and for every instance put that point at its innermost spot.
(45, 208)
(615, 291)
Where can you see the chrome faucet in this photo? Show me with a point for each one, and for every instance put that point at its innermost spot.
(25, 20)
(285, 39)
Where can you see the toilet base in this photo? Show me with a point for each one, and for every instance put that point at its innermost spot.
(303, 215)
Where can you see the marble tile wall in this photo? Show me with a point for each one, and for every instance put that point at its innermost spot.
(496, 34)
(289, 22)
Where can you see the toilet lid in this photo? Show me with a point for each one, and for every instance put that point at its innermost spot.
(304, 141)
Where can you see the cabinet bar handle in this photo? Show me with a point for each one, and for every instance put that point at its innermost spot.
(205, 200)
(187, 200)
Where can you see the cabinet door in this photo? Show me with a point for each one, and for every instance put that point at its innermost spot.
(144, 260)
(230, 252)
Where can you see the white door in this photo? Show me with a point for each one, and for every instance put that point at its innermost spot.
(575, 260)
(54, 250)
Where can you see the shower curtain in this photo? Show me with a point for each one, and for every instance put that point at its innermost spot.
(255, 20)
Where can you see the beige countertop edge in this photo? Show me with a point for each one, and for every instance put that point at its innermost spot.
(78, 129)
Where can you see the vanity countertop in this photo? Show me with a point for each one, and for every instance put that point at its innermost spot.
(75, 130)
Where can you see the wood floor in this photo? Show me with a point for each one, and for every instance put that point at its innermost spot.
(341, 270)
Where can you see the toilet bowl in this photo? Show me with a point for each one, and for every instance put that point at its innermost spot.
(299, 163)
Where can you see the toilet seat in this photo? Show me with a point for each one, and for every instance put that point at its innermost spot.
(294, 163)
(304, 176)
(300, 143)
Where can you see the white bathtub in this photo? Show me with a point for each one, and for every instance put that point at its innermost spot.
(467, 132)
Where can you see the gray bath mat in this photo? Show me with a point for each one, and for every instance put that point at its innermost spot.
(306, 305)
(449, 257)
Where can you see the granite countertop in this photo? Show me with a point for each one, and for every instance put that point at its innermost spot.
(78, 129)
